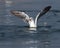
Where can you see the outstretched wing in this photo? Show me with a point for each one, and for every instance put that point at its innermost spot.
(21, 15)
(44, 11)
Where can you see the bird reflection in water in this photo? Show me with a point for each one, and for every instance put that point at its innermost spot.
(33, 29)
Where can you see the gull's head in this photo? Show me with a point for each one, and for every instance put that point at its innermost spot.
(17, 13)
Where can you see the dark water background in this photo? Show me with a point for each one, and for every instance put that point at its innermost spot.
(14, 33)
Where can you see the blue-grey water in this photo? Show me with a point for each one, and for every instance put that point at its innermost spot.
(14, 33)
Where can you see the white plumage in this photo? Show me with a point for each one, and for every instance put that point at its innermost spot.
(30, 20)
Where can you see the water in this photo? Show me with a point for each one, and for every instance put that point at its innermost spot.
(23, 37)
(14, 33)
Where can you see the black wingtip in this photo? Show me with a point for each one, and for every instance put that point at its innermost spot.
(47, 8)
(44, 11)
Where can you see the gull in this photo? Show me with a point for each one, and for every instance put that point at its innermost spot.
(32, 23)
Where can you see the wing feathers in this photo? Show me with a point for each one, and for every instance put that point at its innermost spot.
(44, 11)
(21, 15)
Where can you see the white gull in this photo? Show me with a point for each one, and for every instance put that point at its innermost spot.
(30, 20)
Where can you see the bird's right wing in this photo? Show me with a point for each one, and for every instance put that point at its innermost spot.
(21, 15)
(44, 11)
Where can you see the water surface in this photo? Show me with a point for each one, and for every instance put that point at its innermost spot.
(14, 33)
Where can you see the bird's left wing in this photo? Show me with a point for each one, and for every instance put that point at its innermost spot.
(21, 15)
